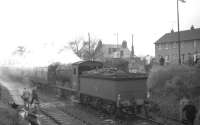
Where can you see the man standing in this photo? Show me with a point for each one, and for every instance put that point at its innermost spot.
(190, 112)
(35, 96)
(118, 114)
(26, 97)
(184, 101)
(197, 120)
(162, 61)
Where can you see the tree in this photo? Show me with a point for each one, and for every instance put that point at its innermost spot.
(84, 49)
(88, 50)
(75, 46)
(20, 51)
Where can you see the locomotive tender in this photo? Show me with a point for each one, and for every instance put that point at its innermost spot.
(98, 89)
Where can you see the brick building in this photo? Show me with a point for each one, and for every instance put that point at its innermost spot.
(167, 46)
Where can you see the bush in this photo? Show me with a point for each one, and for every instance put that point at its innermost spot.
(168, 84)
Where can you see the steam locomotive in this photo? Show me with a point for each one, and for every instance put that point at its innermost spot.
(93, 85)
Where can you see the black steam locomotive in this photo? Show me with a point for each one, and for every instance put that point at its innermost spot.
(94, 85)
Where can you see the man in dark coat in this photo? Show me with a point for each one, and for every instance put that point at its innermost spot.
(189, 112)
(162, 61)
(34, 96)
(26, 96)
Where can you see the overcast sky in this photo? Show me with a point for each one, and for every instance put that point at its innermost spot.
(35, 22)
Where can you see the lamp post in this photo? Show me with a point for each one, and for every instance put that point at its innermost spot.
(179, 41)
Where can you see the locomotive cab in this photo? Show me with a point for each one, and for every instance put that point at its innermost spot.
(79, 68)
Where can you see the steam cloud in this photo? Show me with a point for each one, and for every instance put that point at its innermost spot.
(40, 56)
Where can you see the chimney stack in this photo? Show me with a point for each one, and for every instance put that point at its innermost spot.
(172, 31)
(192, 27)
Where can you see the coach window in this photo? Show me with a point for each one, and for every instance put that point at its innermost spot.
(110, 50)
(74, 71)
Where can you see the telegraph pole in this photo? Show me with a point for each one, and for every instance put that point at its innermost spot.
(179, 41)
(132, 48)
(117, 41)
(89, 44)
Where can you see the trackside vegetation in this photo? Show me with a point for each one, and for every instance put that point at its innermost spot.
(8, 116)
(168, 84)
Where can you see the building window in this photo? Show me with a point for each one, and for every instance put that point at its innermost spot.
(74, 71)
(166, 46)
(182, 44)
(174, 45)
(175, 57)
(121, 53)
(114, 49)
(167, 58)
(159, 46)
(194, 44)
(109, 50)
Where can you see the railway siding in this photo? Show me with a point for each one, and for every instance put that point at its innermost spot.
(46, 120)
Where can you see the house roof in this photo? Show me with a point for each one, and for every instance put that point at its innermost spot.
(186, 35)
(88, 63)
(112, 45)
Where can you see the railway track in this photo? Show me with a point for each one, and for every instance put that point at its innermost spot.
(52, 111)
(62, 112)
(56, 112)
(75, 113)
(99, 118)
